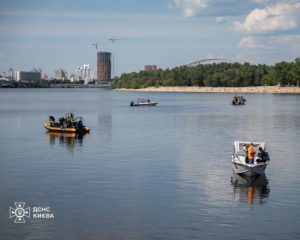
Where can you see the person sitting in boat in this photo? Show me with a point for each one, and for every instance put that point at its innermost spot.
(251, 153)
(262, 155)
(245, 149)
(148, 100)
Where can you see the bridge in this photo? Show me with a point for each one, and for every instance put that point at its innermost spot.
(194, 63)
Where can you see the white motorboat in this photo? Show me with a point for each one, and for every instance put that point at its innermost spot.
(238, 159)
(142, 102)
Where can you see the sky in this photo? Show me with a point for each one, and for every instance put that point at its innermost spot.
(59, 34)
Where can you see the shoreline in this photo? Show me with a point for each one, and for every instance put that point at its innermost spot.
(260, 89)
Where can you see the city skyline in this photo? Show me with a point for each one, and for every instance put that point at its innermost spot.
(54, 35)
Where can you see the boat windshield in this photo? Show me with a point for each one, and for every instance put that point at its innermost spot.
(140, 100)
(240, 153)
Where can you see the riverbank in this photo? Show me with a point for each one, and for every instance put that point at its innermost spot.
(266, 89)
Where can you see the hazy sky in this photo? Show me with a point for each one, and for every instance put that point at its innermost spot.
(59, 34)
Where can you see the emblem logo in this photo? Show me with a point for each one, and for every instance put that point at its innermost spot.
(19, 212)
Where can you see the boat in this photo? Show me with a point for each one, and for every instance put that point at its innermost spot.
(238, 159)
(64, 125)
(7, 86)
(238, 100)
(142, 102)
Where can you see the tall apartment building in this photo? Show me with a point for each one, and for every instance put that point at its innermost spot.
(103, 67)
(61, 74)
(86, 70)
(10, 73)
(79, 73)
(150, 67)
(33, 75)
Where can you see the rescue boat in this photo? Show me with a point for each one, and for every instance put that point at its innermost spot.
(66, 126)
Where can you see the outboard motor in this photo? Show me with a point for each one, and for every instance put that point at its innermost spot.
(131, 104)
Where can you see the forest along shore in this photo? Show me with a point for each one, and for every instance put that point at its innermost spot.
(237, 90)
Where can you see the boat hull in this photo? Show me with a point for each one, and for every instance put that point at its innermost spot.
(64, 130)
(249, 169)
(144, 104)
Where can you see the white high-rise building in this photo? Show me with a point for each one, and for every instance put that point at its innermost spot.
(32, 75)
(79, 73)
(86, 69)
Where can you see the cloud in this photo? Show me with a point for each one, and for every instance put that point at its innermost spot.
(253, 42)
(222, 19)
(217, 8)
(191, 7)
(271, 18)
(270, 48)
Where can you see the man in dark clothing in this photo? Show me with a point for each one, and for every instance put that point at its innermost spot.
(262, 155)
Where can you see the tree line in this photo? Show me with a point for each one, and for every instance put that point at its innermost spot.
(215, 75)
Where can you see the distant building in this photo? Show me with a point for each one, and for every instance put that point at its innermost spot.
(103, 67)
(45, 77)
(10, 73)
(33, 75)
(93, 76)
(79, 73)
(87, 80)
(150, 67)
(86, 69)
(61, 74)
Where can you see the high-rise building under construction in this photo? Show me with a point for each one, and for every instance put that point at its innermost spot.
(103, 67)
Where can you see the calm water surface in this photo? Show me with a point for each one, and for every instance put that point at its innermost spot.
(160, 172)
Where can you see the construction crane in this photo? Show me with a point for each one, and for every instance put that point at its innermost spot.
(113, 39)
(96, 44)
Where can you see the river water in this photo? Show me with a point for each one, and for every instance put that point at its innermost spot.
(160, 172)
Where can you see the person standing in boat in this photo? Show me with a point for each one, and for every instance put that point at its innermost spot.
(251, 153)
(70, 118)
(245, 149)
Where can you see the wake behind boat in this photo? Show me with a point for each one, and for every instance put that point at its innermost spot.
(239, 159)
(142, 102)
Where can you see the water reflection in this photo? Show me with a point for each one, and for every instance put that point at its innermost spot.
(251, 190)
(69, 140)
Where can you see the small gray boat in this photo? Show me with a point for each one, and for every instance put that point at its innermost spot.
(142, 102)
(238, 100)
